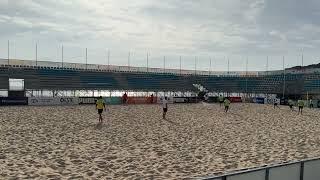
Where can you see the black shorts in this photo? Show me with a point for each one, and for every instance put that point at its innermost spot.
(300, 107)
(220, 102)
(291, 106)
(275, 104)
(165, 110)
(100, 111)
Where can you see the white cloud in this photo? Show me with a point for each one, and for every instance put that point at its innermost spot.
(168, 27)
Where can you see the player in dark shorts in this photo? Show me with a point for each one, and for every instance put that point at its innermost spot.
(275, 104)
(124, 98)
(165, 107)
(300, 105)
(290, 102)
(100, 105)
(226, 105)
(221, 100)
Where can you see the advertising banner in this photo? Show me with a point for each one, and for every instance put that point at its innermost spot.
(159, 100)
(235, 99)
(180, 100)
(87, 100)
(113, 100)
(258, 100)
(192, 99)
(212, 99)
(10, 101)
(271, 101)
(50, 101)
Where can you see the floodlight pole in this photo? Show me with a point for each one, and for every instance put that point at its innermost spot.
(8, 52)
(108, 59)
(129, 60)
(195, 65)
(284, 78)
(147, 62)
(62, 53)
(86, 58)
(180, 65)
(210, 67)
(228, 66)
(164, 64)
(36, 54)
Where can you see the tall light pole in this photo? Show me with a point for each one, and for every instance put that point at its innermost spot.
(195, 65)
(129, 60)
(86, 58)
(8, 52)
(164, 63)
(247, 76)
(147, 61)
(62, 56)
(180, 65)
(228, 67)
(36, 54)
(284, 78)
(108, 59)
(210, 67)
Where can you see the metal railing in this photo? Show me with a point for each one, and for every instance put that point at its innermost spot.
(98, 67)
(308, 169)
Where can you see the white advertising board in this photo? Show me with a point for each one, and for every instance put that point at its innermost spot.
(170, 100)
(52, 101)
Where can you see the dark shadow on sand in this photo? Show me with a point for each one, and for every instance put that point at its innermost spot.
(171, 122)
(98, 126)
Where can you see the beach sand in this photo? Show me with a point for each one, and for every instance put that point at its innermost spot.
(135, 143)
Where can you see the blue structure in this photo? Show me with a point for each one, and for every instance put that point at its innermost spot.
(49, 78)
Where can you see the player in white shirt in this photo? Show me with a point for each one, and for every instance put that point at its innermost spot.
(165, 107)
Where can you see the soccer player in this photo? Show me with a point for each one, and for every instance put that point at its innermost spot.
(311, 103)
(151, 99)
(100, 105)
(125, 98)
(226, 104)
(275, 103)
(220, 99)
(290, 102)
(300, 105)
(165, 107)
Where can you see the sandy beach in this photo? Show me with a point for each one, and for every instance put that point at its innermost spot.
(135, 143)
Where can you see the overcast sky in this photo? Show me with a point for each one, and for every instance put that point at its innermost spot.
(220, 29)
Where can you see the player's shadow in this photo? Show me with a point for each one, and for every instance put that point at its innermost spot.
(98, 126)
(171, 122)
(310, 115)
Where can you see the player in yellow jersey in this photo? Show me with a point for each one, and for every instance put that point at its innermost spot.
(226, 104)
(100, 105)
(300, 105)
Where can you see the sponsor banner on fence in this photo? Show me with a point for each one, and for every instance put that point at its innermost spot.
(9, 101)
(142, 100)
(113, 100)
(258, 100)
(48, 101)
(271, 101)
(87, 100)
(170, 100)
(192, 99)
(283, 101)
(212, 99)
(180, 100)
(235, 99)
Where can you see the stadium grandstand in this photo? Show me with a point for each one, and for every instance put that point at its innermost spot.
(72, 77)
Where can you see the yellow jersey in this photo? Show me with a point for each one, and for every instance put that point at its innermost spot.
(100, 104)
(300, 103)
(226, 102)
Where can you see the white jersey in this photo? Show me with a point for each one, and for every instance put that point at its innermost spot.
(164, 103)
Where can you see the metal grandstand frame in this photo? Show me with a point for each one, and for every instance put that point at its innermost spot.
(265, 170)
